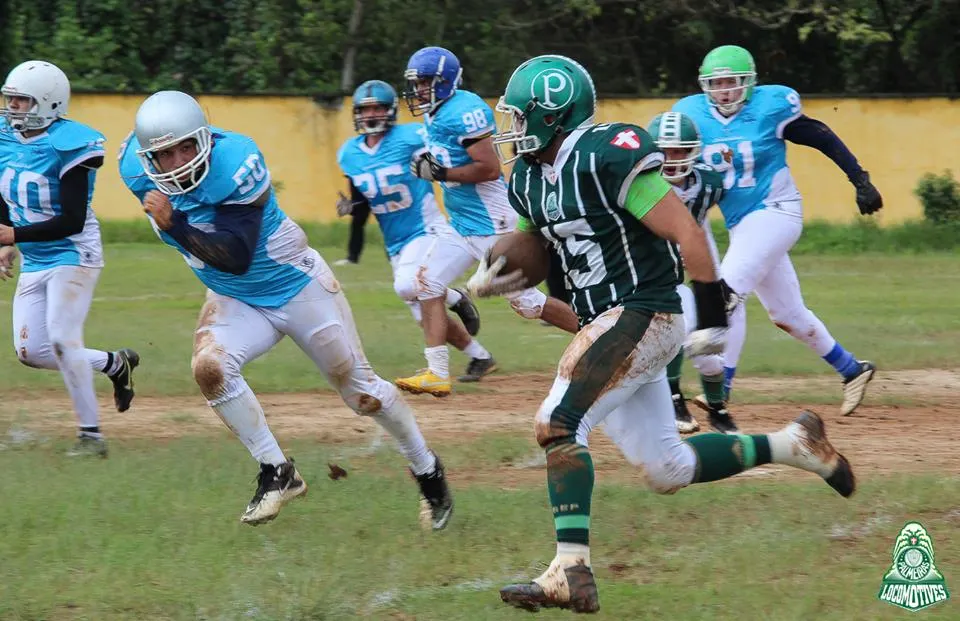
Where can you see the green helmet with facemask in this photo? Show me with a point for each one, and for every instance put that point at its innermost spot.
(546, 97)
(728, 61)
(675, 130)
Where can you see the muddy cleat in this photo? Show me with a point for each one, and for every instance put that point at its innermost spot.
(855, 388)
(123, 379)
(812, 451)
(276, 486)
(425, 382)
(686, 423)
(89, 446)
(718, 415)
(478, 368)
(572, 588)
(436, 502)
(467, 311)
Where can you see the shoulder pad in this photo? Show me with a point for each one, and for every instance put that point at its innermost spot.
(66, 135)
(131, 170)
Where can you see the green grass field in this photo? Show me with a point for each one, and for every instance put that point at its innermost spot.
(153, 532)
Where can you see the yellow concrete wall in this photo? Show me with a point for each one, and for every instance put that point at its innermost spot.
(897, 140)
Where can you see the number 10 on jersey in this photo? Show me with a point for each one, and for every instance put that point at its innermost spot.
(721, 157)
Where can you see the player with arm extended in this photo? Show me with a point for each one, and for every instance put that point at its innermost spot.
(595, 192)
(699, 187)
(208, 194)
(460, 156)
(744, 128)
(376, 163)
(48, 166)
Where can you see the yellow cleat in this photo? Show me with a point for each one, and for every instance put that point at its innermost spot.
(425, 382)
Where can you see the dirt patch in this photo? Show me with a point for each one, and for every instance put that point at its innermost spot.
(877, 439)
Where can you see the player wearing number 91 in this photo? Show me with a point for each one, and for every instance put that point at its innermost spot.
(377, 165)
(48, 167)
(208, 194)
(744, 128)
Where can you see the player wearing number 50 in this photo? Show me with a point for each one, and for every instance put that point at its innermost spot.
(48, 167)
(744, 128)
(461, 157)
(208, 195)
(377, 165)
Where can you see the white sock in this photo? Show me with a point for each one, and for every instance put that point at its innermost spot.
(399, 422)
(475, 350)
(98, 361)
(438, 360)
(783, 451)
(78, 377)
(453, 297)
(570, 554)
(244, 416)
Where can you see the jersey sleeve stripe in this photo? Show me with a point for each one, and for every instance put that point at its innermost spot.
(653, 159)
(783, 124)
(83, 157)
(477, 135)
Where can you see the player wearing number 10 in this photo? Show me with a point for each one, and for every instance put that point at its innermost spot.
(209, 196)
(48, 167)
(744, 128)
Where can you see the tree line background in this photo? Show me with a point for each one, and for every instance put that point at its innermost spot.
(632, 48)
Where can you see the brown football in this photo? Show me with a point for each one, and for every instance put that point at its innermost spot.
(525, 252)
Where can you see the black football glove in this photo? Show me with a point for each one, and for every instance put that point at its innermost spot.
(428, 168)
(868, 196)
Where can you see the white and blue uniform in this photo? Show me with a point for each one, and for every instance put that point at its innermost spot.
(282, 261)
(748, 149)
(30, 173)
(474, 209)
(404, 205)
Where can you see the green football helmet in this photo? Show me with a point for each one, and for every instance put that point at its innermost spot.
(545, 97)
(718, 67)
(675, 130)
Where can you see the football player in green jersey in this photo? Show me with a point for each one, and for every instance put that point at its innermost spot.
(595, 192)
(700, 187)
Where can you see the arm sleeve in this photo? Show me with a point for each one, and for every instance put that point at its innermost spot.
(229, 247)
(526, 226)
(813, 133)
(74, 193)
(645, 192)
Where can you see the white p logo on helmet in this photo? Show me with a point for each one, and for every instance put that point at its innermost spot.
(557, 89)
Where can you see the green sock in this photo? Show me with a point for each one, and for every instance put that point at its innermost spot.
(720, 456)
(713, 388)
(674, 370)
(570, 483)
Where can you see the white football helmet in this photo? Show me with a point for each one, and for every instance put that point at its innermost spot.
(46, 85)
(163, 120)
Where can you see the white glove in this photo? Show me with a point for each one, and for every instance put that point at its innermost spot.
(705, 342)
(487, 282)
(344, 205)
(427, 167)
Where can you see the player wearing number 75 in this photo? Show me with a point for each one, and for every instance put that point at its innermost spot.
(48, 166)
(744, 128)
(208, 194)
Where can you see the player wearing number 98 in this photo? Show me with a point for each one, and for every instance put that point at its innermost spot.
(208, 195)
(462, 158)
(744, 128)
(377, 165)
(48, 168)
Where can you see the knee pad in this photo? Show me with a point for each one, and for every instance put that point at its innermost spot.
(210, 373)
(406, 289)
(673, 471)
(428, 287)
(37, 359)
(528, 303)
(708, 365)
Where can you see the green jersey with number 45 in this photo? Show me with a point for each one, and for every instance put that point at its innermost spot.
(609, 257)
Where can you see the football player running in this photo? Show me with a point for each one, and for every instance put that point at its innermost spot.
(595, 192)
(744, 129)
(461, 157)
(208, 194)
(48, 167)
(377, 165)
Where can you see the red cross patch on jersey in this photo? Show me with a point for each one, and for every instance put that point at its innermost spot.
(626, 139)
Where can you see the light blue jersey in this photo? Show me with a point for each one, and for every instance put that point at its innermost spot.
(238, 175)
(30, 173)
(474, 209)
(748, 148)
(404, 204)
